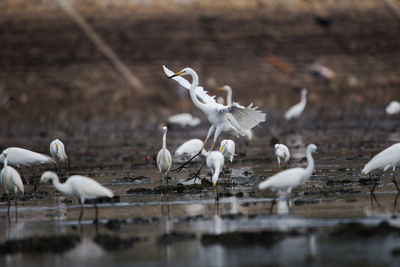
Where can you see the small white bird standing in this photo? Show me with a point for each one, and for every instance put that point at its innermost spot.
(184, 119)
(393, 108)
(227, 148)
(388, 158)
(282, 153)
(296, 110)
(215, 161)
(164, 159)
(285, 181)
(79, 186)
(190, 148)
(11, 181)
(57, 151)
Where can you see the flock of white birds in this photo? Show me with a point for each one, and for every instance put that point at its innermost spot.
(231, 118)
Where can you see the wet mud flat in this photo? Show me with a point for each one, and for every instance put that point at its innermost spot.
(332, 219)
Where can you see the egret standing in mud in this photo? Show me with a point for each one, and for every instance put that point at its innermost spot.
(388, 158)
(215, 161)
(164, 159)
(233, 119)
(285, 181)
(57, 151)
(296, 110)
(11, 181)
(22, 157)
(79, 186)
(282, 153)
(227, 148)
(228, 90)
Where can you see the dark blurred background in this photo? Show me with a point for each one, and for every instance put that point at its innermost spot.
(55, 78)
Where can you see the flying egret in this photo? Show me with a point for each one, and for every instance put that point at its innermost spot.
(22, 157)
(296, 110)
(184, 119)
(393, 108)
(285, 181)
(228, 89)
(215, 161)
(11, 181)
(282, 153)
(57, 151)
(164, 160)
(386, 159)
(234, 119)
(190, 148)
(79, 186)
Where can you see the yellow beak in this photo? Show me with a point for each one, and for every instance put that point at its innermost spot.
(176, 74)
(214, 184)
(222, 148)
(220, 89)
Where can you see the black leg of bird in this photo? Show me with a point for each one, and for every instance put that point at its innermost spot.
(273, 203)
(395, 202)
(8, 205)
(96, 212)
(395, 182)
(81, 213)
(197, 174)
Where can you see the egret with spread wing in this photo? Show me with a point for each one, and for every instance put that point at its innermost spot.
(235, 118)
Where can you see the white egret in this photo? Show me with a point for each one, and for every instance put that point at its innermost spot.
(296, 110)
(228, 90)
(215, 161)
(285, 181)
(393, 108)
(164, 159)
(23, 157)
(388, 158)
(11, 181)
(282, 153)
(184, 119)
(190, 148)
(227, 148)
(234, 119)
(79, 186)
(57, 151)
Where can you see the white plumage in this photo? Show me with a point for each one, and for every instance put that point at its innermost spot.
(393, 108)
(215, 161)
(386, 159)
(296, 110)
(11, 181)
(228, 89)
(164, 159)
(184, 119)
(286, 180)
(23, 157)
(79, 186)
(282, 153)
(227, 148)
(190, 148)
(57, 151)
(234, 118)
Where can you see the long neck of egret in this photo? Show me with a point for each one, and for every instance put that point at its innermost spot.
(216, 173)
(63, 188)
(310, 163)
(164, 140)
(195, 83)
(229, 96)
(5, 165)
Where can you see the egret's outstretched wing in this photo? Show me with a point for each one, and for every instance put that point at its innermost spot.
(246, 117)
(200, 92)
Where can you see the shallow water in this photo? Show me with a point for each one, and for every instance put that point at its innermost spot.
(335, 195)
